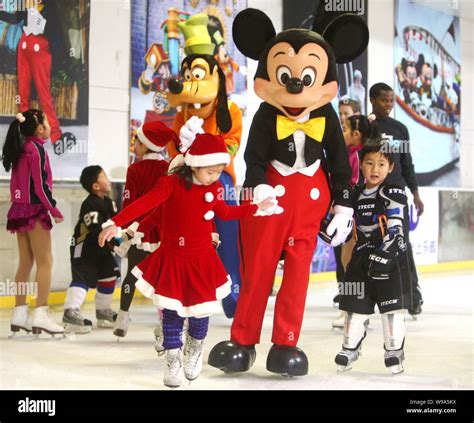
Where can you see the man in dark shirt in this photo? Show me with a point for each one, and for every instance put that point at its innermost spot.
(382, 100)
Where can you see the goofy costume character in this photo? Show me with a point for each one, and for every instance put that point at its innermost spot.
(296, 152)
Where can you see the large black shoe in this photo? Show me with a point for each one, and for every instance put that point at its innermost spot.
(66, 142)
(287, 361)
(230, 356)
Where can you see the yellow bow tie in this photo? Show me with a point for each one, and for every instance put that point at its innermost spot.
(313, 128)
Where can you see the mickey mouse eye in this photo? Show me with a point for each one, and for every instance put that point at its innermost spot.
(199, 73)
(308, 76)
(283, 74)
(187, 75)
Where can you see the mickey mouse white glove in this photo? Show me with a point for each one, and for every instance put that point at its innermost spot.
(262, 192)
(188, 132)
(341, 224)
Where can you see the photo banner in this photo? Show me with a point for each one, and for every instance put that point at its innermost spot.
(158, 50)
(427, 57)
(44, 50)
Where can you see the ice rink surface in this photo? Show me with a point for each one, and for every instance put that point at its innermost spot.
(438, 349)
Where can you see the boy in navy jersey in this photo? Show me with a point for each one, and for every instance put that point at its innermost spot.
(378, 273)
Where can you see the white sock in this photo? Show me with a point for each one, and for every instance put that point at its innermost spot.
(103, 301)
(75, 297)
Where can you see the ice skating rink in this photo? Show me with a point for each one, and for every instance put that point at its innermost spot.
(438, 349)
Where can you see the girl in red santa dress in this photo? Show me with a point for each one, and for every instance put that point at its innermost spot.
(185, 276)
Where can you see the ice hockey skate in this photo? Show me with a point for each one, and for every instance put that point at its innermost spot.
(121, 324)
(105, 318)
(345, 358)
(394, 361)
(74, 322)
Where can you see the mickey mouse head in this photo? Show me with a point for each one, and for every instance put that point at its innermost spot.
(297, 68)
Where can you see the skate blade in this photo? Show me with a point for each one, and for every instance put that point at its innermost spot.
(343, 369)
(79, 330)
(397, 369)
(37, 331)
(16, 330)
(105, 324)
(337, 328)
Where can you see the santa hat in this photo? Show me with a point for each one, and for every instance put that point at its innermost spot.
(156, 135)
(207, 150)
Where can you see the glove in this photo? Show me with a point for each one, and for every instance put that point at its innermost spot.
(262, 192)
(380, 264)
(340, 226)
(188, 132)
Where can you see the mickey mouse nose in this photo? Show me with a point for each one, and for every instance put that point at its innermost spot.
(294, 85)
(175, 86)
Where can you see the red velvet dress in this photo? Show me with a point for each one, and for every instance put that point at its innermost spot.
(185, 273)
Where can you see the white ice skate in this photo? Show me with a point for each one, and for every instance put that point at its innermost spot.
(43, 322)
(21, 320)
(192, 358)
(394, 361)
(159, 340)
(121, 324)
(106, 318)
(74, 322)
(174, 368)
(345, 358)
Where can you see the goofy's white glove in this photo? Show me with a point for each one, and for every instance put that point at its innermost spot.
(262, 192)
(188, 132)
(341, 225)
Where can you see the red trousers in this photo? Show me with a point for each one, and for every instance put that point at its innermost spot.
(305, 202)
(34, 64)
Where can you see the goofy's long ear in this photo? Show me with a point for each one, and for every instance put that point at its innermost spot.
(252, 30)
(224, 121)
(346, 33)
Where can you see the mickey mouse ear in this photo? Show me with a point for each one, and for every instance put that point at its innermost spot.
(348, 36)
(252, 30)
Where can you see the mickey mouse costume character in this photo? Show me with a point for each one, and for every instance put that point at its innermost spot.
(295, 143)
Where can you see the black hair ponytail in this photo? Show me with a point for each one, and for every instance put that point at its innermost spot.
(368, 129)
(17, 132)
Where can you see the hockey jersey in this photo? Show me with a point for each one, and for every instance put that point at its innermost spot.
(378, 214)
(94, 212)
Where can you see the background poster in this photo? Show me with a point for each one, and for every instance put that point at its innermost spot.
(34, 33)
(428, 89)
(157, 52)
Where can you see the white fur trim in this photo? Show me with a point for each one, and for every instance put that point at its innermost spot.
(154, 156)
(148, 246)
(142, 137)
(208, 197)
(198, 310)
(206, 159)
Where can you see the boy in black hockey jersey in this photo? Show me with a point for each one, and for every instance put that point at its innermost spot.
(378, 273)
(91, 265)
